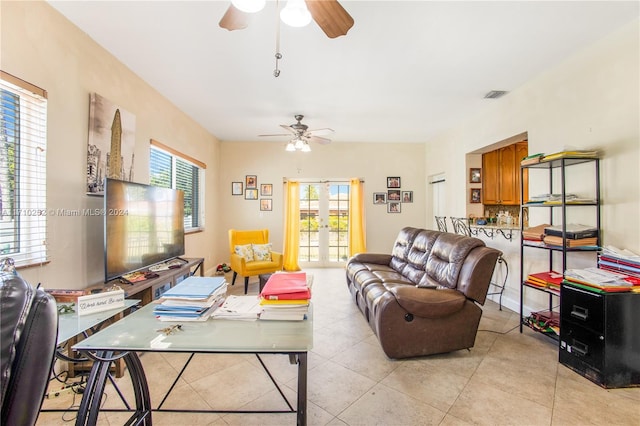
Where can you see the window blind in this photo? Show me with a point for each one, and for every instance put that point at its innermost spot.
(23, 142)
(169, 169)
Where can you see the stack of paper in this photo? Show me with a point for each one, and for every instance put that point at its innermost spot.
(550, 280)
(285, 296)
(193, 299)
(617, 260)
(238, 308)
(607, 281)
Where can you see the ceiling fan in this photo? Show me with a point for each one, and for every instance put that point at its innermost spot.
(302, 135)
(330, 16)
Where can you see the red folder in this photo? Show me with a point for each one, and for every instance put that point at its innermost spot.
(286, 286)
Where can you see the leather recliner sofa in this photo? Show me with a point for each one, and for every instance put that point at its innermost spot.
(425, 296)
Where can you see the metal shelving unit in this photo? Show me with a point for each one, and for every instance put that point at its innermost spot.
(560, 164)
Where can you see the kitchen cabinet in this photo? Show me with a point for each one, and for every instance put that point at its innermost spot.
(501, 168)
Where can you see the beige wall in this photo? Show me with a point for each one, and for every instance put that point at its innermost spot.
(590, 101)
(371, 162)
(42, 47)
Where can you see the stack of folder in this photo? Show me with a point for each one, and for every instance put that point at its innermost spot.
(193, 299)
(549, 280)
(601, 280)
(285, 296)
(616, 260)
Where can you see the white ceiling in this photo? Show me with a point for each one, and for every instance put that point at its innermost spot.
(405, 72)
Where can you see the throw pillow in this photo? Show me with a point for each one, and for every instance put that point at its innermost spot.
(262, 251)
(245, 251)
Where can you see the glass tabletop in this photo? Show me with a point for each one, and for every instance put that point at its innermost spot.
(71, 325)
(141, 331)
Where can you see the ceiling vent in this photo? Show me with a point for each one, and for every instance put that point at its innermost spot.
(495, 94)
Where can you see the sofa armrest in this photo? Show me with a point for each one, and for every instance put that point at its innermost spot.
(377, 258)
(429, 302)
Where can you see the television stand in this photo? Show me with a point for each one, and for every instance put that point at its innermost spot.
(150, 289)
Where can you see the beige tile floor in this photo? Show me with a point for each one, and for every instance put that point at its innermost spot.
(508, 378)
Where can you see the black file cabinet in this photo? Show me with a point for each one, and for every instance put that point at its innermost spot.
(600, 336)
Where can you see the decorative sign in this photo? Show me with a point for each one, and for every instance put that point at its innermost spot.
(93, 303)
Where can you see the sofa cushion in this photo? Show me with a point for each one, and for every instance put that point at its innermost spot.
(429, 303)
(401, 247)
(261, 251)
(418, 254)
(245, 251)
(447, 256)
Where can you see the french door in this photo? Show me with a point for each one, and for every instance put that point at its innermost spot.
(324, 223)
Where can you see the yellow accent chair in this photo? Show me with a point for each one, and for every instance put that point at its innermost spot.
(252, 254)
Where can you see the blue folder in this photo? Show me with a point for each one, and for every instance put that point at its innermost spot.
(195, 287)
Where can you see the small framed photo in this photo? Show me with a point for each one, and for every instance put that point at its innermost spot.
(475, 175)
(250, 194)
(266, 189)
(407, 196)
(393, 182)
(394, 207)
(236, 188)
(251, 182)
(475, 196)
(393, 195)
(379, 198)
(266, 204)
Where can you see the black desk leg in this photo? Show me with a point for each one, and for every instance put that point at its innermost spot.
(92, 397)
(302, 389)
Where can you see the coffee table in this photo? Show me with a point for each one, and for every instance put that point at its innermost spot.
(139, 332)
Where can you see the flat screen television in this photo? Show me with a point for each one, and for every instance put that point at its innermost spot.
(143, 225)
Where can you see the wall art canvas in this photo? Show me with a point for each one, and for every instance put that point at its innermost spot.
(111, 143)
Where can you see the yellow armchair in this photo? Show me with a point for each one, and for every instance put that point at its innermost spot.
(246, 268)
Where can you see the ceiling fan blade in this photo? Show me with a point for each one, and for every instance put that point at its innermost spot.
(330, 17)
(278, 134)
(234, 19)
(318, 139)
(289, 129)
(318, 132)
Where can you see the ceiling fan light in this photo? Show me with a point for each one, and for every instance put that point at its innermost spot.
(299, 143)
(295, 14)
(290, 147)
(249, 6)
(305, 148)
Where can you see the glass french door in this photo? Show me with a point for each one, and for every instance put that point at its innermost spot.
(324, 223)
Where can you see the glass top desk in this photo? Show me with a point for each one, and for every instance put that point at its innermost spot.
(142, 332)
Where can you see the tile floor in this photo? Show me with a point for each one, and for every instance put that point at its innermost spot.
(508, 378)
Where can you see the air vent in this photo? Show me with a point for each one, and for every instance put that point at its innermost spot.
(495, 94)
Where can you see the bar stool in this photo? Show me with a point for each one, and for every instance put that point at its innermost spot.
(441, 221)
(461, 226)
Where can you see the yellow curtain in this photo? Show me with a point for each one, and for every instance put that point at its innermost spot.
(292, 226)
(356, 218)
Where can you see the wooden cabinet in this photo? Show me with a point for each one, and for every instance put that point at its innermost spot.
(501, 168)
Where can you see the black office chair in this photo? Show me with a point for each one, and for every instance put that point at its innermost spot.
(28, 334)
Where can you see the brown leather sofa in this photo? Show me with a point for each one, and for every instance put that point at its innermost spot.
(424, 298)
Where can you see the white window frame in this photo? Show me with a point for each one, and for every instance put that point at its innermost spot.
(198, 192)
(25, 215)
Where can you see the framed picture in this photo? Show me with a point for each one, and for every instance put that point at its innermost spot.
(407, 196)
(379, 198)
(393, 182)
(475, 175)
(266, 190)
(265, 204)
(393, 195)
(236, 188)
(251, 182)
(250, 194)
(475, 196)
(393, 207)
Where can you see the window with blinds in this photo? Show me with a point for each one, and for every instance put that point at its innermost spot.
(169, 169)
(23, 171)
